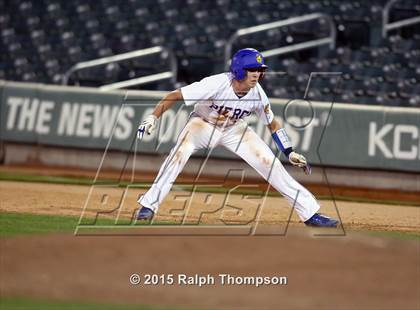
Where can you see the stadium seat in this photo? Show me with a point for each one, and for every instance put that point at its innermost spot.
(45, 38)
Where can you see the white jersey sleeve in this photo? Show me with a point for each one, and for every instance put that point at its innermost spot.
(264, 109)
(202, 90)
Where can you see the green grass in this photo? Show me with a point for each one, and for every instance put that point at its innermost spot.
(20, 223)
(32, 304)
(12, 223)
(370, 200)
(5, 176)
(396, 234)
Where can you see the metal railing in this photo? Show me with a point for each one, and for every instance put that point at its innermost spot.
(330, 40)
(387, 26)
(172, 74)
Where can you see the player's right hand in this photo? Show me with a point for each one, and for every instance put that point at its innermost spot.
(148, 125)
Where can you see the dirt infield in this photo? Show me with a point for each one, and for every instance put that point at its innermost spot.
(337, 273)
(359, 193)
(56, 199)
(353, 271)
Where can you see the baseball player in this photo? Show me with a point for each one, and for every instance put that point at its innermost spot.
(221, 103)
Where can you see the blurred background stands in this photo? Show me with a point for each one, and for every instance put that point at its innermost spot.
(42, 39)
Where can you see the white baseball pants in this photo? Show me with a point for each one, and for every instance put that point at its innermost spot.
(241, 140)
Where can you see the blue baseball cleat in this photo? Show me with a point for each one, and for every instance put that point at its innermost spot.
(320, 220)
(145, 214)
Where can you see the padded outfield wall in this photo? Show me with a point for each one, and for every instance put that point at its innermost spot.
(338, 135)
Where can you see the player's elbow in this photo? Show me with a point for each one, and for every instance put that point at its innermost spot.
(176, 95)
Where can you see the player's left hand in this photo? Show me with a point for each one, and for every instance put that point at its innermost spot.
(299, 160)
(148, 125)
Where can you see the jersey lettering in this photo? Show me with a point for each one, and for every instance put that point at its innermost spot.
(215, 96)
(237, 113)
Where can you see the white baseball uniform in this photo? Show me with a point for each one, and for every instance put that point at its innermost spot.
(218, 119)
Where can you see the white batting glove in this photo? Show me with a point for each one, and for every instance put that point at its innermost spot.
(299, 160)
(148, 125)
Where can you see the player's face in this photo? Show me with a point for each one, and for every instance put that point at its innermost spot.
(253, 76)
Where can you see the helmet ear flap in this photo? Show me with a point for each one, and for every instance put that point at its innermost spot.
(236, 68)
(240, 74)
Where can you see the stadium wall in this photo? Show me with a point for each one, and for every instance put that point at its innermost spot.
(74, 127)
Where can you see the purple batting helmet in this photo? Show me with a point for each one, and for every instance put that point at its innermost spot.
(247, 58)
